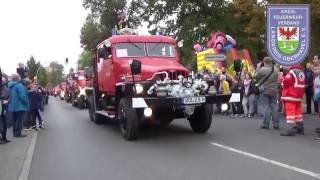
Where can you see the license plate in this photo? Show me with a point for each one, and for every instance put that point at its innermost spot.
(194, 100)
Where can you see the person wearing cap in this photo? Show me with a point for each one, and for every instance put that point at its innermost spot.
(293, 87)
(267, 80)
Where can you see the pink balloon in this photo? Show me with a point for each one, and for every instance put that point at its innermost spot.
(197, 47)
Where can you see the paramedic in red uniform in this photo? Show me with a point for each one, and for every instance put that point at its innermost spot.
(293, 85)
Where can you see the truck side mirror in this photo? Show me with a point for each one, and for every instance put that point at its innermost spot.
(135, 66)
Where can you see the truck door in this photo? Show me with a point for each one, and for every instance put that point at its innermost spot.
(109, 83)
(107, 72)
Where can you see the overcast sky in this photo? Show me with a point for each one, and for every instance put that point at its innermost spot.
(47, 29)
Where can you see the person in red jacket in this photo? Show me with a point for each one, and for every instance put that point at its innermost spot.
(293, 86)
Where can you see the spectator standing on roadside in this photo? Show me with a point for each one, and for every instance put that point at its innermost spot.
(1, 120)
(248, 96)
(309, 89)
(5, 95)
(18, 104)
(22, 71)
(36, 103)
(316, 86)
(224, 85)
(236, 88)
(316, 72)
(267, 79)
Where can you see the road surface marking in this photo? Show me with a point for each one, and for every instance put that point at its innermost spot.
(24, 174)
(277, 163)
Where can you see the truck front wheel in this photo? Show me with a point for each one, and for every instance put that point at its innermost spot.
(128, 120)
(200, 121)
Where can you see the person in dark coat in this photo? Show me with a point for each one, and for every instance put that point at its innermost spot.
(5, 95)
(309, 89)
(36, 104)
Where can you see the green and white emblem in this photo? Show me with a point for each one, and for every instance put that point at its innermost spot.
(288, 39)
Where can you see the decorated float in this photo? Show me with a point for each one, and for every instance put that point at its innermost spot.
(221, 52)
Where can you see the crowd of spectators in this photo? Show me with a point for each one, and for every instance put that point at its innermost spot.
(263, 87)
(21, 103)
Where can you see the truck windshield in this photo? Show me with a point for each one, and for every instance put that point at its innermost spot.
(130, 50)
(160, 49)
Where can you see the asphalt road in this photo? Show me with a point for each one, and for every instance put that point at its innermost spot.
(72, 147)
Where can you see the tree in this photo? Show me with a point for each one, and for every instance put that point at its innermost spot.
(33, 67)
(85, 59)
(91, 34)
(188, 20)
(42, 77)
(55, 74)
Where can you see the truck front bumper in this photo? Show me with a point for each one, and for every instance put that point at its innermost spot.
(168, 102)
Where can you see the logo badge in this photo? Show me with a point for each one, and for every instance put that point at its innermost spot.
(288, 33)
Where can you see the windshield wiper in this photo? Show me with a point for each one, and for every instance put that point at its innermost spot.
(133, 44)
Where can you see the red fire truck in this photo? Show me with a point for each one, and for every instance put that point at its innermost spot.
(78, 95)
(139, 79)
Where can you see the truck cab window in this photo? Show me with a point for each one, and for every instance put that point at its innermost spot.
(130, 50)
(160, 49)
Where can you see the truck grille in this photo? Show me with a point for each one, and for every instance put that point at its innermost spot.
(173, 75)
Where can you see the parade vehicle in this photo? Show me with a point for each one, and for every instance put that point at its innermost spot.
(68, 94)
(77, 89)
(221, 53)
(56, 91)
(139, 79)
(62, 90)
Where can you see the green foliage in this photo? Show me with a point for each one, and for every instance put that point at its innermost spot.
(85, 59)
(193, 21)
(91, 34)
(33, 66)
(55, 74)
(104, 17)
(43, 77)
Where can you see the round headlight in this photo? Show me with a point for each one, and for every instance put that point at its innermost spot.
(139, 88)
(224, 107)
(147, 112)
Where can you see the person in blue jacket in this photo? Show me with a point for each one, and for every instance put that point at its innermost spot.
(18, 104)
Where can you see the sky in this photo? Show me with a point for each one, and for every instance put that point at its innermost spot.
(47, 29)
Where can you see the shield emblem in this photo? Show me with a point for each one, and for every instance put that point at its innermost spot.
(288, 39)
(288, 33)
